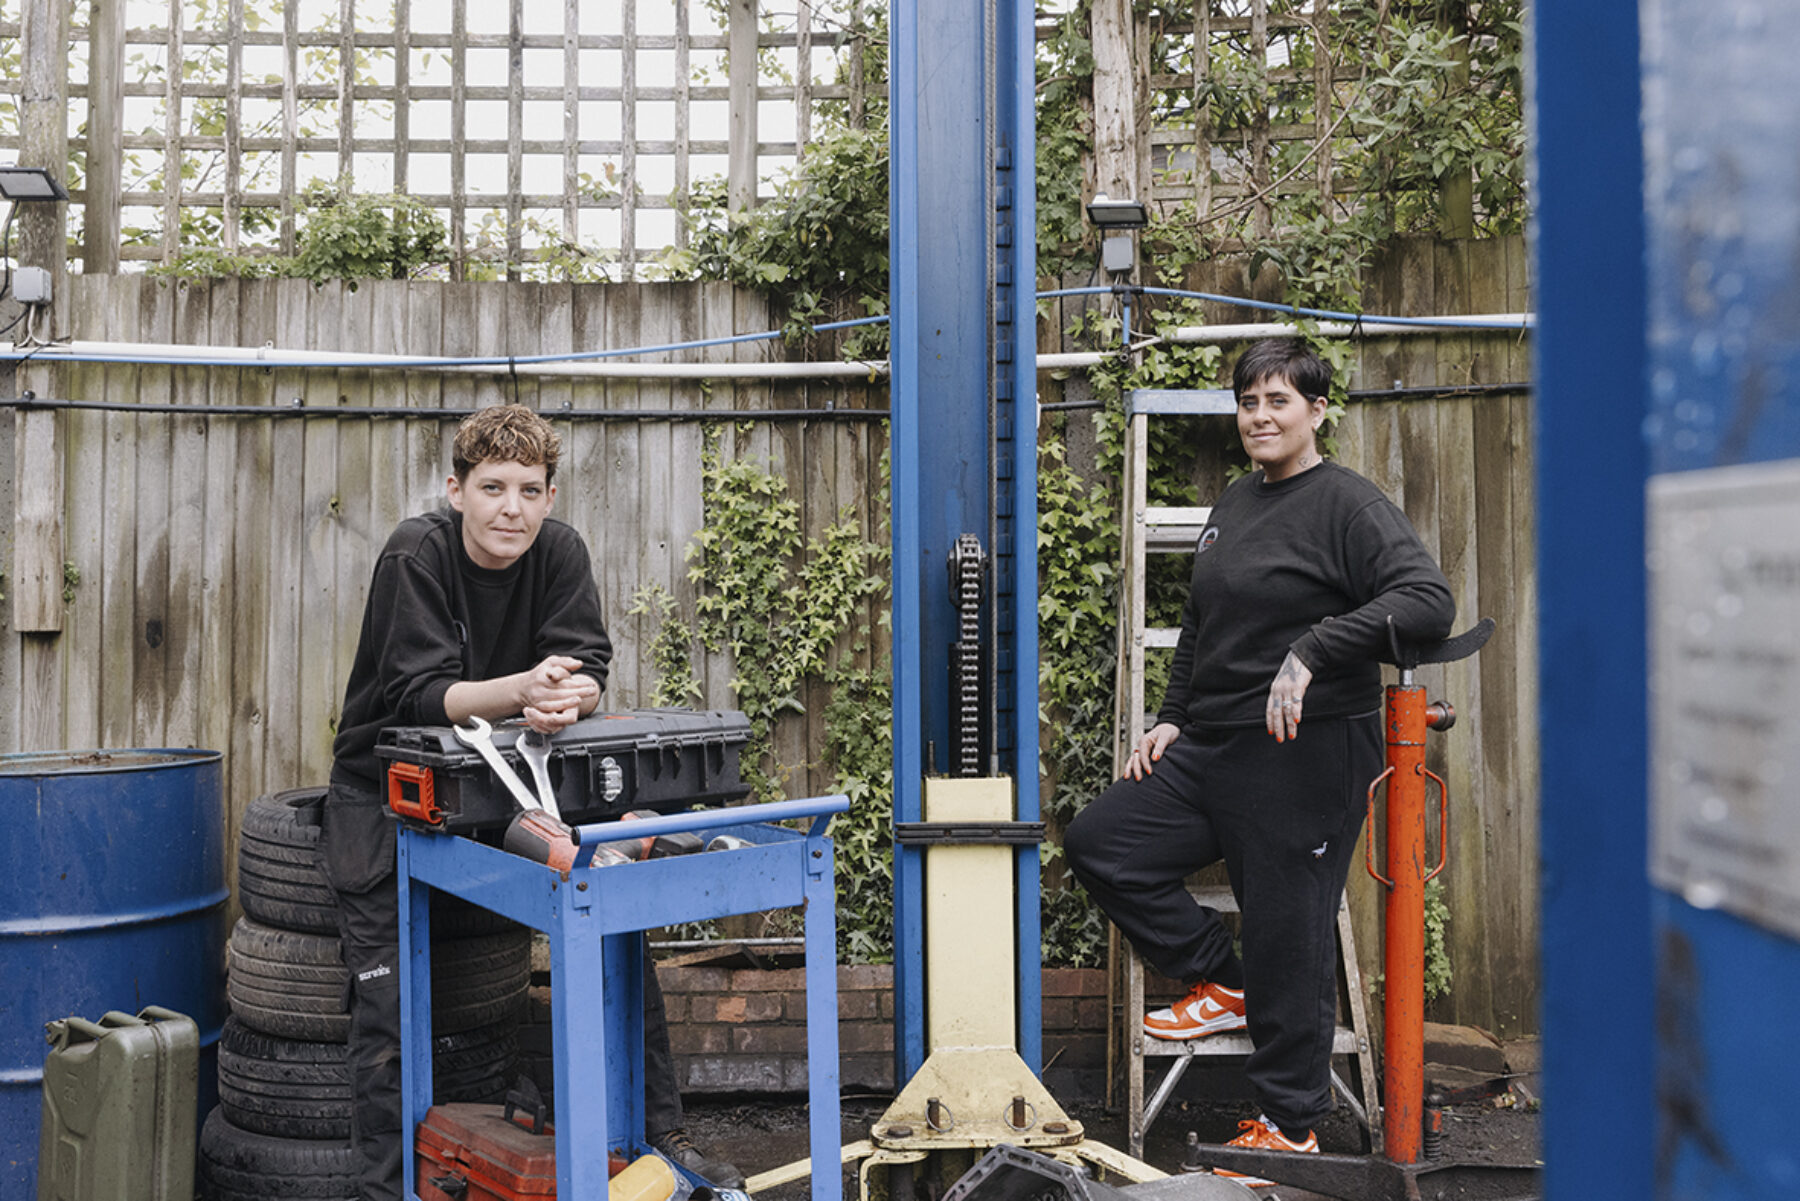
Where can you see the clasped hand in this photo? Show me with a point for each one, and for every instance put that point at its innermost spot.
(555, 693)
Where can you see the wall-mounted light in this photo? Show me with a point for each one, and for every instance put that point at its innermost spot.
(26, 185)
(30, 184)
(1116, 219)
(1110, 214)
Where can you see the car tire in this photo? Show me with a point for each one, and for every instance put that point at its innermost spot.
(279, 881)
(293, 984)
(287, 1088)
(242, 1165)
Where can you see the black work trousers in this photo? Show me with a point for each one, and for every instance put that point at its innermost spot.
(1284, 819)
(351, 846)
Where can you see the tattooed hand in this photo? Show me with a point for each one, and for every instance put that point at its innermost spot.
(1282, 714)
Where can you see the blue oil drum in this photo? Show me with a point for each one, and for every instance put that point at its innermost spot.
(112, 897)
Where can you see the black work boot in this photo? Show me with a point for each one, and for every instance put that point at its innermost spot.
(677, 1147)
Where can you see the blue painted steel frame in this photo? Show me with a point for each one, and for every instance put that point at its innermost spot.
(1597, 963)
(594, 916)
(1723, 252)
(1016, 288)
(963, 273)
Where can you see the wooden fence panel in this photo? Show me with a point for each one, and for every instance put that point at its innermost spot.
(115, 580)
(84, 532)
(219, 684)
(249, 540)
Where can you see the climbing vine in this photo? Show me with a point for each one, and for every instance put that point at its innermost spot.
(792, 610)
(341, 235)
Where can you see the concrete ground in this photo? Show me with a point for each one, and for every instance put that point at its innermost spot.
(1491, 1118)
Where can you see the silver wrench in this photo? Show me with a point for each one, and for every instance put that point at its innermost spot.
(479, 736)
(534, 747)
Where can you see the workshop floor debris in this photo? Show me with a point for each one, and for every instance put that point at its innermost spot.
(1494, 1123)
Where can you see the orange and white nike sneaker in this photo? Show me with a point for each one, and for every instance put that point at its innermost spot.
(1264, 1135)
(1208, 1009)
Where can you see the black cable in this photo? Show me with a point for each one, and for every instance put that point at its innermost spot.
(1430, 390)
(6, 253)
(336, 412)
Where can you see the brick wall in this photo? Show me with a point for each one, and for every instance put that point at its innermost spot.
(741, 1031)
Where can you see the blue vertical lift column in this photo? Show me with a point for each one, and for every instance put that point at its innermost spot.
(963, 251)
(1668, 244)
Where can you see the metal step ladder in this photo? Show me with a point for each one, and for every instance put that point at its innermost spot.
(1151, 530)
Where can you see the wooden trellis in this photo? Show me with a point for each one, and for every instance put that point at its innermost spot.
(1235, 169)
(554, 122)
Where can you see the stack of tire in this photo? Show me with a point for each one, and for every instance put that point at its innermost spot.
(282, 1126)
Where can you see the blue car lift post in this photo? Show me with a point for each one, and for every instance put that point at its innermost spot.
(962, 250)
(594, 917)
(1669, 590)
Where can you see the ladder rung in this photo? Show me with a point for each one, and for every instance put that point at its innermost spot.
(1172, 529)
(1173, 515)
(1220, 897)
(1181, 401)
(1343, 1042)
(1214, 896)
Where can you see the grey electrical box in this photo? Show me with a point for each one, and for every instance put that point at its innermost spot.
(1118, 253)
(31, 285)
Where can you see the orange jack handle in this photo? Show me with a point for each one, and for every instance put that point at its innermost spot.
(420, 803)
(1369, 846)
(1403, 988)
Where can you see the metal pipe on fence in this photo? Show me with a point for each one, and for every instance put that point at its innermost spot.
(577, 367)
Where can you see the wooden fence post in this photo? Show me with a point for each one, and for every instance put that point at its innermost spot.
(1120, 154)
(105, 154)
(628, 139)
(37, 474)
(741, 161)
(172, 134)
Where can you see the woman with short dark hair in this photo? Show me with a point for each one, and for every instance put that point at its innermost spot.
(1299, 570)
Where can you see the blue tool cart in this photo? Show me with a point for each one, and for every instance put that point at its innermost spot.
(595, 918)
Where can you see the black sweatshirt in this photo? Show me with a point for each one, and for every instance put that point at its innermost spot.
(434, 618)
(1313, 564)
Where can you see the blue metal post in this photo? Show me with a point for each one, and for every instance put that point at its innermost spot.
(905, 439)
(1597, 1016)
(1669, 377)
(821, 1005)
(1723, 240)
(1016, 311)
(962, 256)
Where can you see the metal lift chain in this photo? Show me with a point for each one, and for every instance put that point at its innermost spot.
(968, 565)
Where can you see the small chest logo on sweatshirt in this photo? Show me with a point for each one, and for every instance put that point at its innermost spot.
(1208, 536)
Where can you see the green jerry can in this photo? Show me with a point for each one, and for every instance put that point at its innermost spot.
(120, 1097)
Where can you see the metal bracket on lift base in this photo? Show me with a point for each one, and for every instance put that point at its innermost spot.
(1010, 1174)
(1371, 1178)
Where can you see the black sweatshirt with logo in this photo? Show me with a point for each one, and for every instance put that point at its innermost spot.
(1314, 564)
(434, 617)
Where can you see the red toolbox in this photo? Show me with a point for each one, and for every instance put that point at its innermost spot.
(600, 767)
(469, 1152)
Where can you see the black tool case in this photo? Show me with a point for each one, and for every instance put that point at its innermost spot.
(600, 767)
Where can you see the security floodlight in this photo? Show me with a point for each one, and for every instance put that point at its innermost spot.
(29, 184)
(1111, 215)
(25, 185)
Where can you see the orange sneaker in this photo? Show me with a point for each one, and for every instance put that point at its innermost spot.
(1264, 1135)
(1208, 1009)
